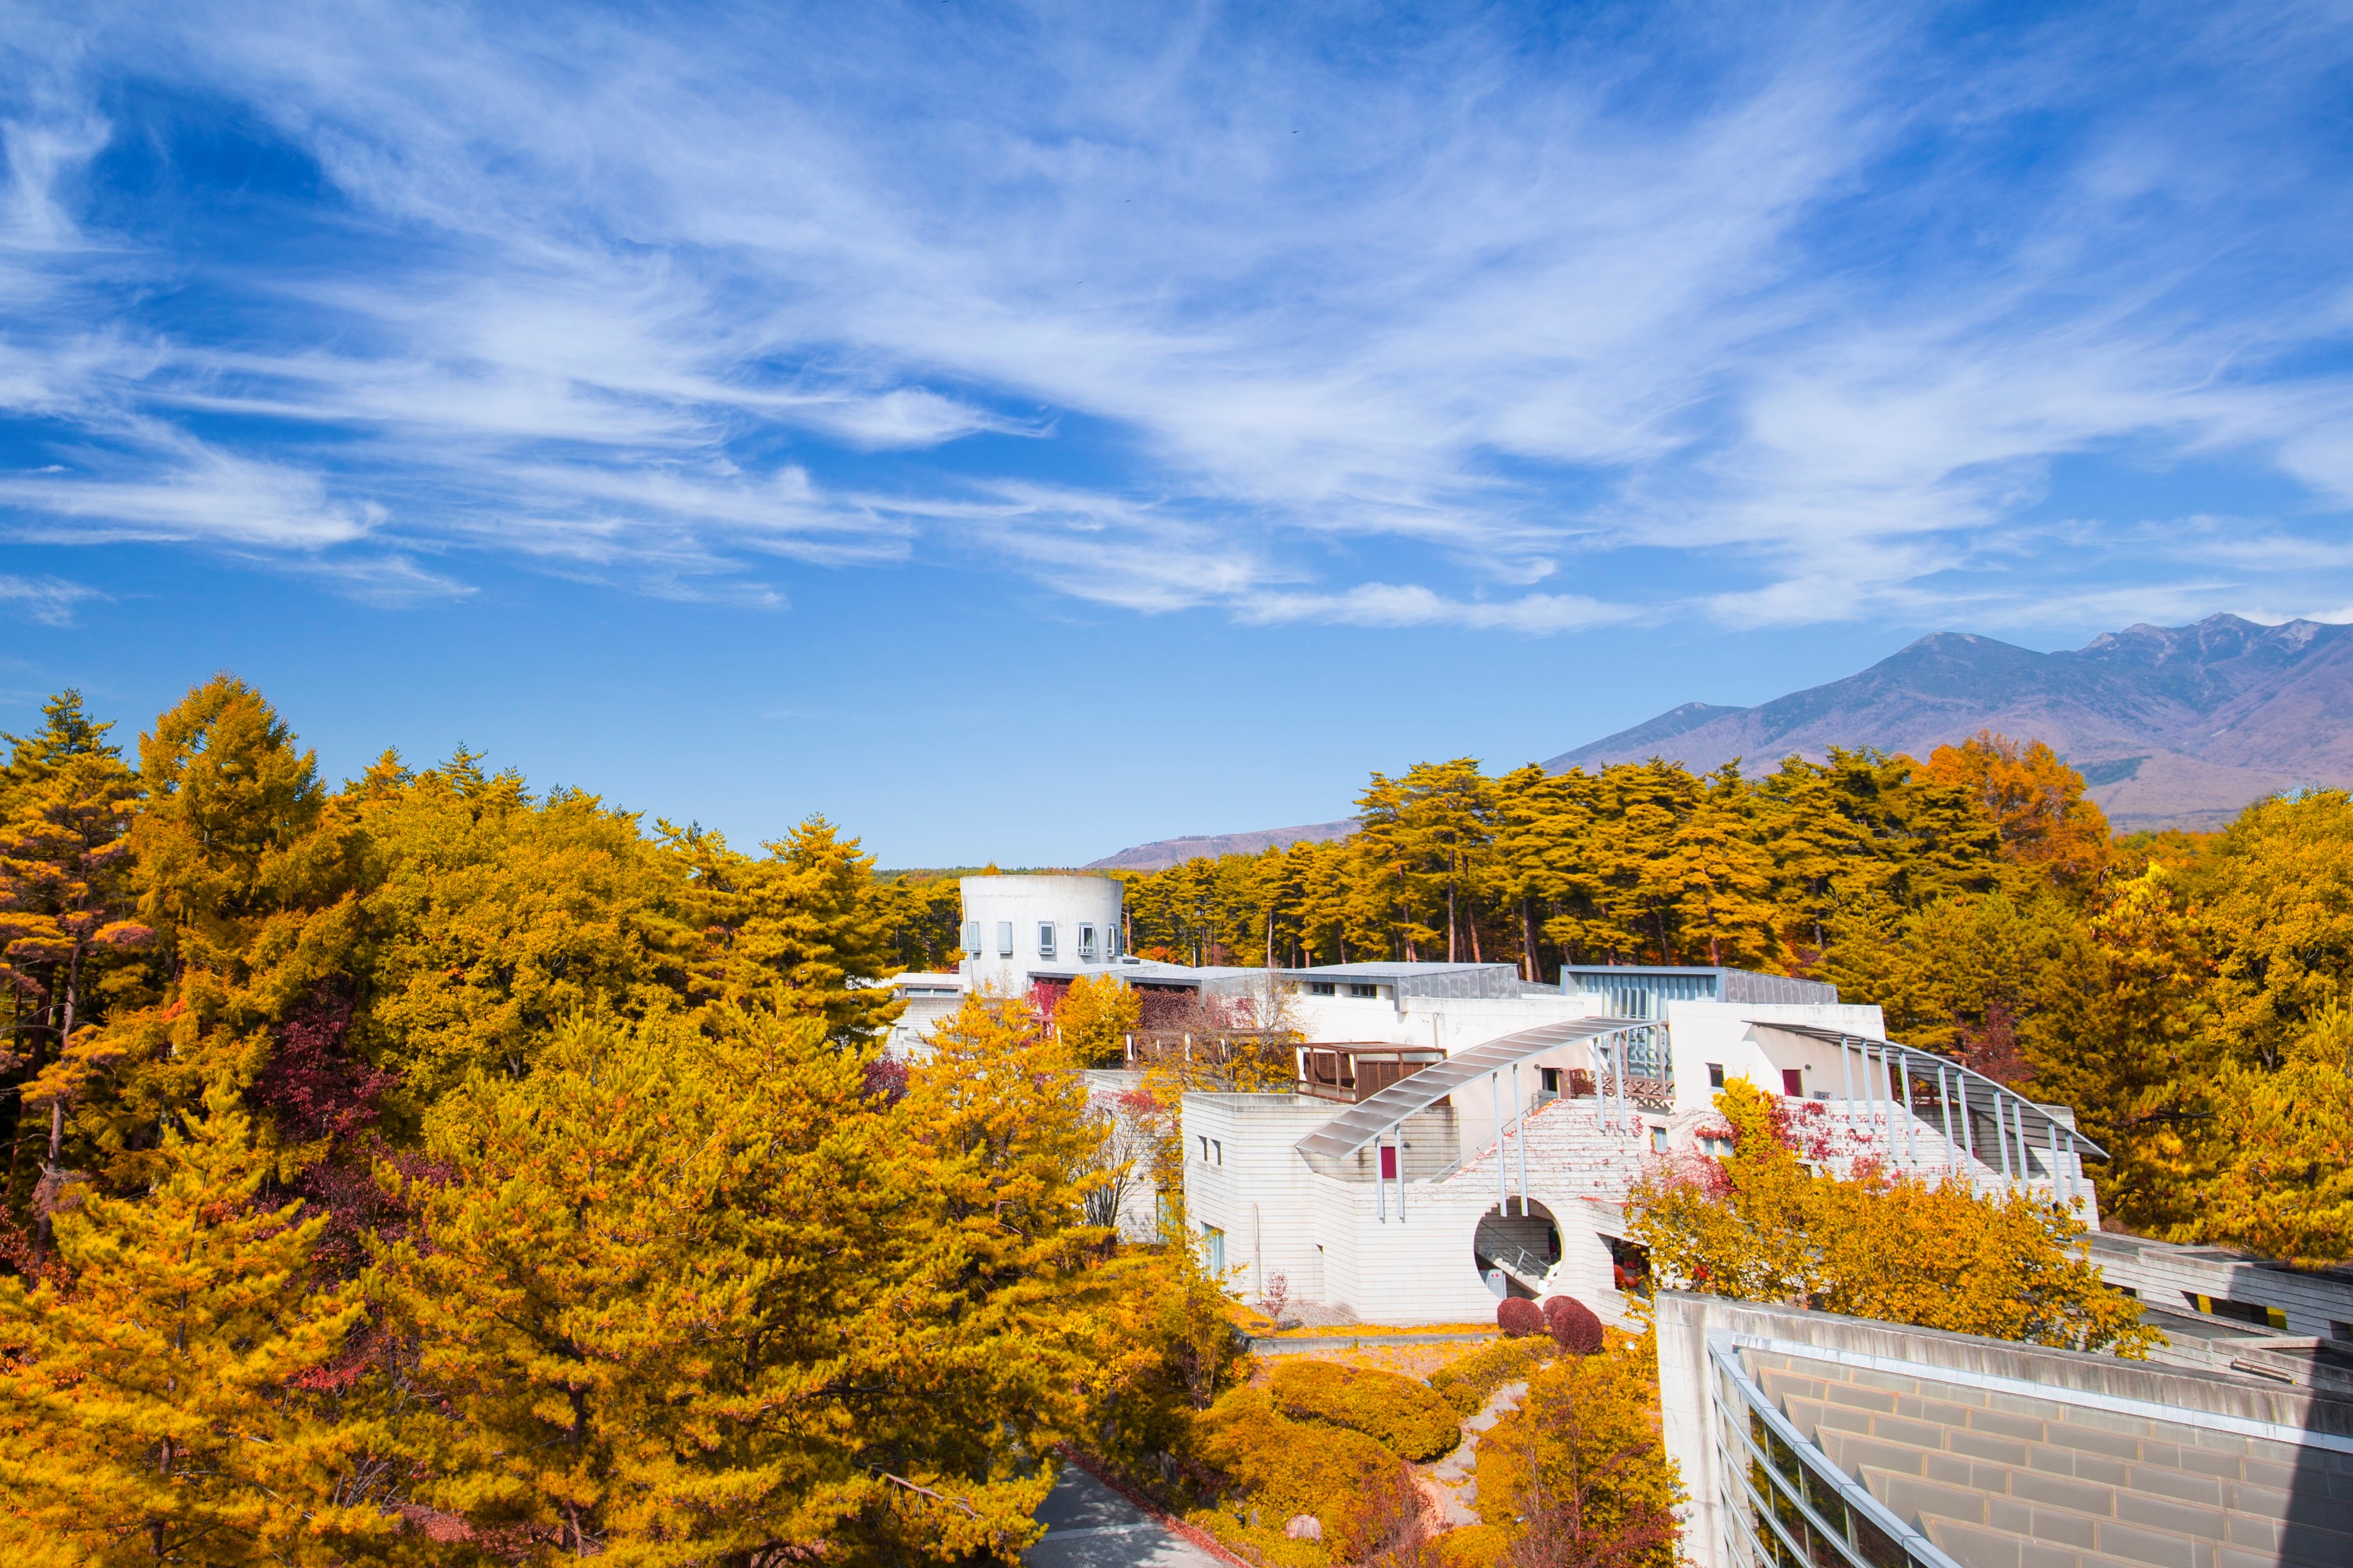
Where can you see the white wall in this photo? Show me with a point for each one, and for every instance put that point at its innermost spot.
(1022, 903)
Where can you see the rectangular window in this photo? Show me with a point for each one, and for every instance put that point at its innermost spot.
(1086, 944)
(1367, 991)
(1551, 1079)
(1213, 1249)
(972, 938)
(1659, 1139)
(1045, 939)
(1204, 1150)
(1793, 1082)
(1217, 1151)
(1005, 939)
(1320, 988)
(1715, 1075)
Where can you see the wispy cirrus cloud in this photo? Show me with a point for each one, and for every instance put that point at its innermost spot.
(45, 601)
(1798, 308)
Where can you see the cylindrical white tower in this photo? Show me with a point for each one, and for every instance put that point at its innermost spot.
(1018, 927)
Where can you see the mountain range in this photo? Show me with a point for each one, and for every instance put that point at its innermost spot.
(2171, 726)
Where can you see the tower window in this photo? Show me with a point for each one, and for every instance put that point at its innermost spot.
(1005, 939)
(1086, 944)
(1045, 939)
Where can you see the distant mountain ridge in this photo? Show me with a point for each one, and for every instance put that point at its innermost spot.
(1163, 853)
(2171, 726)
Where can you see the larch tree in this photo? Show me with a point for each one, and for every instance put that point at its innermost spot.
(2281, 1146)
(157, 1398)
(64, 893)
(643, 1298)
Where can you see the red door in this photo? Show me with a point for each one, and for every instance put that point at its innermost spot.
(1388, 1161)
(1793, 1083)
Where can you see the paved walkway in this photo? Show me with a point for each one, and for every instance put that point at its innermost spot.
(1088, 1525)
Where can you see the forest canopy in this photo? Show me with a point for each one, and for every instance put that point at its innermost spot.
(428, 1168)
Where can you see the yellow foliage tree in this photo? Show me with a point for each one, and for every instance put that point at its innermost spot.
(1762, 1227)
(2283, 1143)
(152, 1402)
(1578, 1467)
(1094, 1019)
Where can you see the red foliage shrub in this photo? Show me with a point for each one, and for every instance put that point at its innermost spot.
(886, 1079)
(314, 1087)
(1516, 1315)
(1574, 1327)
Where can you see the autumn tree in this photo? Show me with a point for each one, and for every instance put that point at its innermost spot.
(645, 1298)
(1094, 1019)
(802, 926)
(64, 890)
(1762, 1226)
(2036, 801)
(1579, 1465)
(2282, 1142)
(158, 1393)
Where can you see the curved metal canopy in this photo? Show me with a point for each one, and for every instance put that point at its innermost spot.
(2019, 1103)
(1376, 1113)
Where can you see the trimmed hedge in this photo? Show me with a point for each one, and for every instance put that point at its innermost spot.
(1516, 1315)
(1574, 1327)
(1288, 1468)
(1405, 1417)
(1466, 1382)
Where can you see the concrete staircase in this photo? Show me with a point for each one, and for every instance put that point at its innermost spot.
(2000, 1480)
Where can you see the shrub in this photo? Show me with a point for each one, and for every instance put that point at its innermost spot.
(1473, 1546)
(1285, 1468)
(1405, 1417)
(1466, 1382)
(1517, 1315)
(1574, 1327)
(1578, 1467)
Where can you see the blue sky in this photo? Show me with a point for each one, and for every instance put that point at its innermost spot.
(1018, 432)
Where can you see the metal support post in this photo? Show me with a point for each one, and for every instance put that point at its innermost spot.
(2001, 1139)
(1380, 1183)
(1618, 1055)
(1944, 1108)
(1870, 1087)
(1969, 1134)
(1520, 1119)
(1846, 1071)
(2068, 1198)
(1396, 1136)
(1502, 1193)
(2025, 1164)
(1911, 1133)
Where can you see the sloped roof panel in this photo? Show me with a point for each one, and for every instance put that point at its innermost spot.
(1360, 1123)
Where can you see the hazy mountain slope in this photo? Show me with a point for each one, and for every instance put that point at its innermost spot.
(2173, 726)
(1163, 853)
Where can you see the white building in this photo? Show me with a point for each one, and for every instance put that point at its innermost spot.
(1457, 1134)
(1015, 928)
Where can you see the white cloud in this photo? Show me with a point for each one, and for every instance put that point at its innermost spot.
(1379, 336)
(45, 601)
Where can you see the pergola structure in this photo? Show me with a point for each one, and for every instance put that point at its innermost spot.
(2016, 1123)
(1379, 1120)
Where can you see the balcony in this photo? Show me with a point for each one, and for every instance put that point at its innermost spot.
(1351, 1072)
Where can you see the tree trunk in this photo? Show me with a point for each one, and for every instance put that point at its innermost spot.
(1530, 965)
(57, 1114)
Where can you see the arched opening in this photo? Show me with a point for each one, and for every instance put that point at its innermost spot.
(1514, 1251)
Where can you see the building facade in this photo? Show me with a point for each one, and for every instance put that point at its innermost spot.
(1805, 1440)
